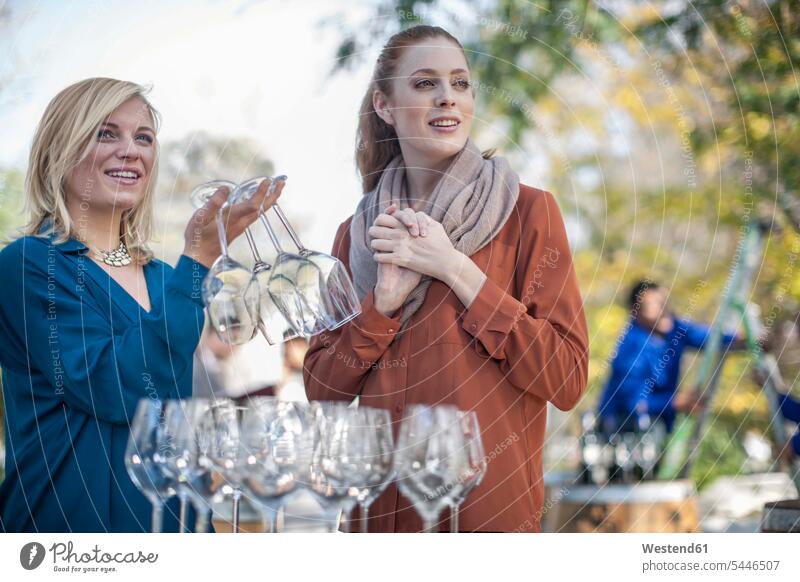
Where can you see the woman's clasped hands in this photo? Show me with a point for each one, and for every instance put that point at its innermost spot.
(408, 244)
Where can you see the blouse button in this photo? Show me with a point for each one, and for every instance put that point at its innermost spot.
(474, 327)
(391, 330)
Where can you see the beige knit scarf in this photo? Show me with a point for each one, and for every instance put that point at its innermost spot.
(472, 200)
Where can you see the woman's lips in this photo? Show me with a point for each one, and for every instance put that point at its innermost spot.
(127, 180)
(452, 125)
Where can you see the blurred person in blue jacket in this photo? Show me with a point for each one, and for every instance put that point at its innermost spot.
(790, 409)
(645, 371)
(784, 344)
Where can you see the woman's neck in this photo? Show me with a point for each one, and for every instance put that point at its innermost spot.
(98, 228)
(421, 179)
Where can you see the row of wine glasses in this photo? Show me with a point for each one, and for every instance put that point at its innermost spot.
(205, 451)
(300, 294)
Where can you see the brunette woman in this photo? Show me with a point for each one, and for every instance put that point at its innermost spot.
(469, 293)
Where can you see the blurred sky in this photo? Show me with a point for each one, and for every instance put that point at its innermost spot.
(250, 69)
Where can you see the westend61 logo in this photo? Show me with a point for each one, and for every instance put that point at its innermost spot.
(66, 559)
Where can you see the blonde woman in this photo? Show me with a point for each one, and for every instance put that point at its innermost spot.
(90, 321)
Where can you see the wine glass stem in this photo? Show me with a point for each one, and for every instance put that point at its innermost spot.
(429, 525)
(157, 515)
(454, 518)
(345, 523)
(364, 518)
(288, 227)
(253, 247)
(236, 497)
(182, 515)
(270, 519)
(223, 239)
(275, 242)
(201, 524)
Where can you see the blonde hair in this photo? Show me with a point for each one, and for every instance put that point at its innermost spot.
(63, 139)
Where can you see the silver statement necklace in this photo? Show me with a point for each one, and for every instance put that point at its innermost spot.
(119, 257)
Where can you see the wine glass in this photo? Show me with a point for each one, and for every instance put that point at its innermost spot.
(272, 324)
(230, 292)
(341, 464)
(219, 435)
(476, 465)
(275, 436)
(378, 449)
(297, 299)
(146, 455)
(430, 459)
(193, 472)
(338, 298)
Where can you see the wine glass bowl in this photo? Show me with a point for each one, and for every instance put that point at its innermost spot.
(430, 459)
(202, 193)
(231, 294)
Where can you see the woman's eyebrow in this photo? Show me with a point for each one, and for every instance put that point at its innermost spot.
(113, 125)
(433, 72)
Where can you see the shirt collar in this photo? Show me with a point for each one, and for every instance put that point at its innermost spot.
(71, 245)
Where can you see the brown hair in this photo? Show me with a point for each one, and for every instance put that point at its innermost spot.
(376, 140)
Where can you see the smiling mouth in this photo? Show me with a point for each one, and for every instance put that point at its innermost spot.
(446, 123)
(123, 176)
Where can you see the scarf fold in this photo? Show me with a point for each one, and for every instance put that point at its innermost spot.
(472, 200)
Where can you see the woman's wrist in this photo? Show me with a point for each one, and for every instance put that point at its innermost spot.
(383, 306)
(197, 255)
(464, 277)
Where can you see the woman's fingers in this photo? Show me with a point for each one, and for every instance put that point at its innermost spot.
(386, 258)
(273, 193)
(382, 245)
(384, 232)
(408, 218)
(387, 221)
(260, 196)
(423, 222)
(208, 211)
(243, 214)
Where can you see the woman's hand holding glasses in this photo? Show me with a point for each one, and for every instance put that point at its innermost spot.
(201, 241)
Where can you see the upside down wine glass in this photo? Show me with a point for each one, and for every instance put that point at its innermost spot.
(297, 299)
(272, 323)
(230, 291)
(337, 294)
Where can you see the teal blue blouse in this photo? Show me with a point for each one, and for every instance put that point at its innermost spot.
(77, 353)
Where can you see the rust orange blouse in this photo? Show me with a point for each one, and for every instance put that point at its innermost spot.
(522, 342)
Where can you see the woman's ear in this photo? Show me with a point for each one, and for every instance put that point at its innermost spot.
(381, 106)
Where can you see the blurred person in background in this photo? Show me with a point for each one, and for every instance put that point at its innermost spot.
(252, 369)
(645, 370)
(292, 387)
(207, 372)
(784, 344)
(469, 296)
(91, 321)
